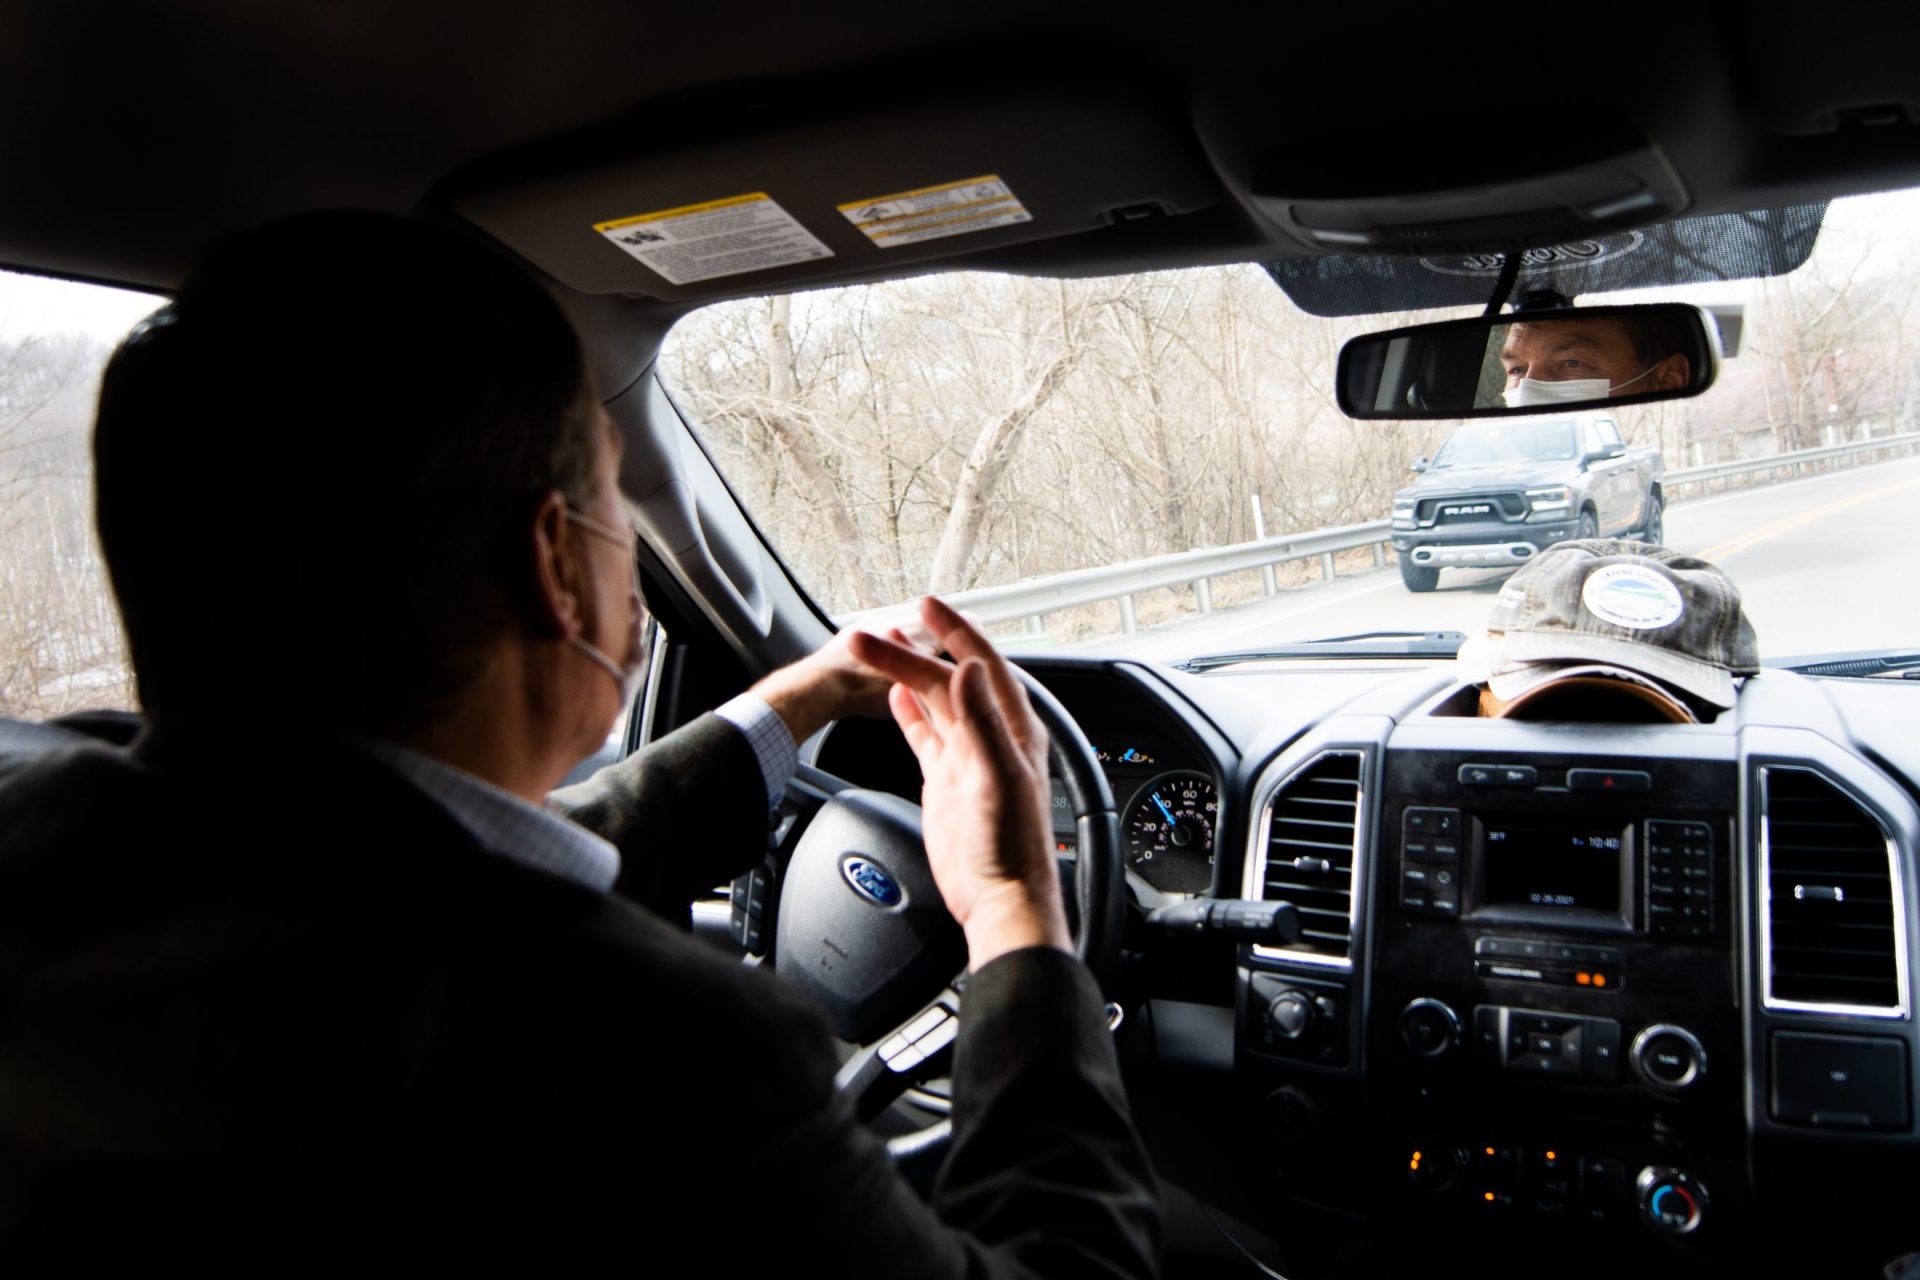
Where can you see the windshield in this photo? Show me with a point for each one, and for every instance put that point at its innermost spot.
(1155, 464)
(1484, 444)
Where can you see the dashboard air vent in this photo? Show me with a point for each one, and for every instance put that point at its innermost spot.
(1311, 846)
(1835, 937)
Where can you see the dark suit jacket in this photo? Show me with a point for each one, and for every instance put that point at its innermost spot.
(294, 1016)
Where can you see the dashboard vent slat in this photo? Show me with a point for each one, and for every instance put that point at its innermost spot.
(1834, 928)
(1311, 843)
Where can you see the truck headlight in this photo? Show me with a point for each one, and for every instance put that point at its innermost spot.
(1403, 515)
(1556, 497)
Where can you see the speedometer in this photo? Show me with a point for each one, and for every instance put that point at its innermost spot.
(1169, 832)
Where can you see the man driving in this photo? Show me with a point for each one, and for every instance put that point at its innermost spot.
(313, 976)
(1566, 361)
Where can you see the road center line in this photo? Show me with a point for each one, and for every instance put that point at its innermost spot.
(1754, 536)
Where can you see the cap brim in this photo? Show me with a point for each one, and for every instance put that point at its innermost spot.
(1518, 650)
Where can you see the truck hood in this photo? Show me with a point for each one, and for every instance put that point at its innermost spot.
(1486, 479)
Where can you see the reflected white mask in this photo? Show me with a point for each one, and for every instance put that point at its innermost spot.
(628, 674)
(1531, 393)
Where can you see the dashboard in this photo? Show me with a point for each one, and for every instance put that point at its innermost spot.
(1609, 995)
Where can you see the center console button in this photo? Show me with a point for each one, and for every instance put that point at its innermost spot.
(1609, 780)
(1544, 1064)
(1498, 775)
(1486, 1032)
(1668, 1058)
(1603, 1188)
(1291, 1013)
(1602, 1063)
(1671, 1200)
(1429, 1028)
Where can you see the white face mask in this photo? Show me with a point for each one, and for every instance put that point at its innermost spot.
(628, 674)
(1529, 393)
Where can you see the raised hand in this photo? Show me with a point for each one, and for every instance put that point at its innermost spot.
(983, 760)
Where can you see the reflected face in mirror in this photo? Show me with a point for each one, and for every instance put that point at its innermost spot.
(1552, 362)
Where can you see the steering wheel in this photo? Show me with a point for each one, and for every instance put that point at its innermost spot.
(862, 930)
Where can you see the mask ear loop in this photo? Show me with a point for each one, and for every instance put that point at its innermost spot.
(626, 676)
(1635, 378)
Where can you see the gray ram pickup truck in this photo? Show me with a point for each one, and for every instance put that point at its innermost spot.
(1498, 492)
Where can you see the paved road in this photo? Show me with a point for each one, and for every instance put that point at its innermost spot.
(1824, 564)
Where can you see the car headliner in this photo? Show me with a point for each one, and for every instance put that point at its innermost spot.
(131, 135)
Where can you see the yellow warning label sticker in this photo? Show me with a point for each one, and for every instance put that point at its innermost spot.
(714, 238)
(929, 213)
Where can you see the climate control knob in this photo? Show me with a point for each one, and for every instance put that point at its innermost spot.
(1291, 1013)
(1668, 1058)
(1429, 1028)
(1672, 1201)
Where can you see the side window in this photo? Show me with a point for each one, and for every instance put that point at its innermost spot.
(1609, 434)
(60, 645)
(1590, 442)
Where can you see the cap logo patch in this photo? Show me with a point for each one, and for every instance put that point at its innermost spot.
(1632, 596)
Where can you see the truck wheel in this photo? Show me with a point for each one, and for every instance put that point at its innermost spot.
(1418, 577)
(1655, 528)
(1589, 526)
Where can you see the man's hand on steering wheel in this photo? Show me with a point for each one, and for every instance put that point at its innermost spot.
(983, 757)
(824, 686)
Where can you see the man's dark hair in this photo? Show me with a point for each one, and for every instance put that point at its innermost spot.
(1658, 334)
(314, 471)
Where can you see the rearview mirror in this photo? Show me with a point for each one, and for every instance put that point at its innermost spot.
(1531, 362)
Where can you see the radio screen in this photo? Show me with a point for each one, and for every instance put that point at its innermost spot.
(1571, 868)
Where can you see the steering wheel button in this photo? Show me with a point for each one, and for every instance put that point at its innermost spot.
(892, 1047)
(938, 1038)
(906, 1060)
(927, 1021)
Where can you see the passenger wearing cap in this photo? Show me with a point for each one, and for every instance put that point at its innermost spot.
(1608, 629)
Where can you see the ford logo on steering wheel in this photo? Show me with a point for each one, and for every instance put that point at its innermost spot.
(872, 881)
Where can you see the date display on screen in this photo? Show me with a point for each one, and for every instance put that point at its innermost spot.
(1566, 868)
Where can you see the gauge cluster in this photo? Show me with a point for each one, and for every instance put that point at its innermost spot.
(1162, 765)
(1168, 809)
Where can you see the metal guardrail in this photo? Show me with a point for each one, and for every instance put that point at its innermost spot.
(1036, 597)
(1793, 462)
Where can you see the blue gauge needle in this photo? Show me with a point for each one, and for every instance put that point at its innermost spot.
(1163, 808)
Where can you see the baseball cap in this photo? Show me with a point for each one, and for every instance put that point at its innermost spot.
(1602, 608)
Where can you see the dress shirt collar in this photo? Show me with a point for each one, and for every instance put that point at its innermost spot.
(506, 824)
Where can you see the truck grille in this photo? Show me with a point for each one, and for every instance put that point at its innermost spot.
(1462, 510)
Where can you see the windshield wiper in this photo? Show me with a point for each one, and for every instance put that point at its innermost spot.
(1890, 665)
(1366, 644)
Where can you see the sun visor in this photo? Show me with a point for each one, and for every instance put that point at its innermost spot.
(1733, 246)
(855, 194)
